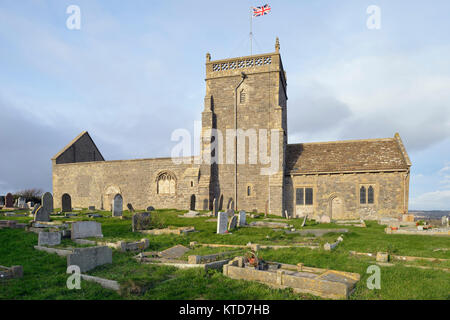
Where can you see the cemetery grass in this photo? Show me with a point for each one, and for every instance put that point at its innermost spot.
(45, 274)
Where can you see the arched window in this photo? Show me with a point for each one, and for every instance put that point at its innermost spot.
(242, 96)
(165, 183)
(370, 195)
(362, 195)
(249, 191)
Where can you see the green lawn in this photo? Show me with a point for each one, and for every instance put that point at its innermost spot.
(45, 274)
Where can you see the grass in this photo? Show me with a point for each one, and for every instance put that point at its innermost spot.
(45, 274)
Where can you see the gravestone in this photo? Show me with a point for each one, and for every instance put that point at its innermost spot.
(242, 219)
(150, 209)
(66, 203)
(41, 214)
(222, 221)
(230, 213)
(91, 208)
(233, 223)
(304, 221)
(325, 219)
(86, 229)
(49, 238)
(175, 252)
(36, 206)
(215, 207)
(21, 203)
(444, 221)
(141, 221)
(2, 201)
(47, 202)
(9, 200)
(130, 207)
(117, 206)
(89, 258)
(30, 205)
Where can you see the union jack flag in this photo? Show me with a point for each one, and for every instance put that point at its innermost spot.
(260, 11)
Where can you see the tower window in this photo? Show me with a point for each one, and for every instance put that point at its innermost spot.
(192, 183)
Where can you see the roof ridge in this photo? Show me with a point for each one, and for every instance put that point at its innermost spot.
(343, 141)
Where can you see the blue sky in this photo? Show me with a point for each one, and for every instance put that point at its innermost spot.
(134, 72)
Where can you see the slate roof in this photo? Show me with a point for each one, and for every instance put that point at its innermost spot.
(347, 156)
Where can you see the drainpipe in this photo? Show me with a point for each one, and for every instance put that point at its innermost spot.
(243, 76)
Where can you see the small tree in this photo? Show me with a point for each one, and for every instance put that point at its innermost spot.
(33, 194)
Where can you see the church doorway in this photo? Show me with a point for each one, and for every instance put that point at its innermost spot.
(337, 208)
(192, 207)
(66, 203)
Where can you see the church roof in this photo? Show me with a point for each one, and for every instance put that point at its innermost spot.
(347, 156)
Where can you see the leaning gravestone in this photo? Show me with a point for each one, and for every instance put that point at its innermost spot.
(86, 229)
(141, 221)
(117, 206)
(41, 214)
(36, 206)
(9, 200)
(130, 207)
(47, 202)
(242, 218)
(49, 238)
(222, 221)
(233, 223)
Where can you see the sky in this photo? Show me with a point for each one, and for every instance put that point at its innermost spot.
(134, 72)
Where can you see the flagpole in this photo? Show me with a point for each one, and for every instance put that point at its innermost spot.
(251, 33)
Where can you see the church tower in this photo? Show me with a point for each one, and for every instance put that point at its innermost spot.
(245, 117)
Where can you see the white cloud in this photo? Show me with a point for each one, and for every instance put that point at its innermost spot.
(435, 200)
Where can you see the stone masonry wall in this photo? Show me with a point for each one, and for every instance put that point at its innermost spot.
(390, 195)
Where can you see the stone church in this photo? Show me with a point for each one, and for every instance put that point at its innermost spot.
(350, 179)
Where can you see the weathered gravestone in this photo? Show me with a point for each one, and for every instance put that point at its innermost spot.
(49, 238)
(242, 218)
(141, 221)
(2, 201)
(91, 208)
(86, 229)
(304, 221)
(36, 206)
(150, 209)
(117, 206)
(47, 202)
(233, 223)
(21, 203)
(66, 203)
(222, 221)
(215, 207)
(41, 214)
(89, 258)
(230, 212)
(9, 200)
(444, 221)
(130, 207)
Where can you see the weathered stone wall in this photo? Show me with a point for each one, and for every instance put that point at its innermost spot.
(90, 183)
(391, 192)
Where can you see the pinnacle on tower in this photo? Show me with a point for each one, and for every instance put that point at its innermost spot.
(277, 45)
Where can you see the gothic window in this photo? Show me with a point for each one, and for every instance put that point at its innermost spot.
(242, 97)
(165, 183)
(308, 196)
(299, 196)
(370, 195)
(304, 196)
(362, 195)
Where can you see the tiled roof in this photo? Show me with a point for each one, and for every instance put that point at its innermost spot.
(344, 156)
